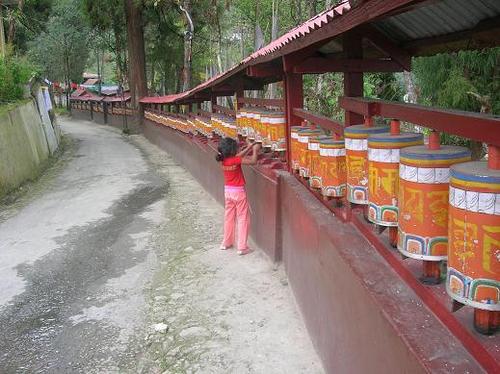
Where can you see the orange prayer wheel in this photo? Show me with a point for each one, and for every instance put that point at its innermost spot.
(257, 124)
(303, 150)
(473, 276)
(383, 175)
(276, 129)
(356, 145)
(294, 146)
(251, 113)
(424, 176)
(332, 168)
(312, 159)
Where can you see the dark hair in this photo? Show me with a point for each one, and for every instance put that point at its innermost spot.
(228, 147)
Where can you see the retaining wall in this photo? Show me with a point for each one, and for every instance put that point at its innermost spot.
(25, 145)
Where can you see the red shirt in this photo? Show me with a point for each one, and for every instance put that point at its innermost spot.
(233, 175)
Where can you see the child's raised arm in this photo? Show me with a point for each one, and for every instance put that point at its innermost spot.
(245, 150)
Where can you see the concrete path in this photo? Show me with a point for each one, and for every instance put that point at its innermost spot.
(112, 266)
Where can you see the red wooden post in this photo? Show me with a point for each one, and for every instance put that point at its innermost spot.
(353, 82)
(294, 98)
(213, 101)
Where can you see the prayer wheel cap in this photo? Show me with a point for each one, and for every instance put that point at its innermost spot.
(357, 131)
(387, 140)
(445, 156)
(475, 175)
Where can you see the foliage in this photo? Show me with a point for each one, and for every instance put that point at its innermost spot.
(14, 75)
(62, 50)
(451, 80)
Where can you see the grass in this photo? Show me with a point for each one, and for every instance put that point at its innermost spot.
(7, 107)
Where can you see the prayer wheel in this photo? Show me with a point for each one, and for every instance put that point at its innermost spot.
(250, 124)
(473, 276)
(332, 168)
(383, 176)
(231, 128)
(257, 123)
(243, 127)
(263, 128)
(294, 146)
(356, 145)
(312, 159)
(276, 131)
(303, 150)
(423, 203)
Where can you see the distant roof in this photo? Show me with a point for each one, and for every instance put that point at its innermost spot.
(90, 75)
(417, 27)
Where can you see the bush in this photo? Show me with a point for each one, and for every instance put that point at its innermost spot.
(14, 75)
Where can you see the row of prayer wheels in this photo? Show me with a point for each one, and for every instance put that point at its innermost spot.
(437, 204)
(224, 126)
(176, 123)
(263, 126)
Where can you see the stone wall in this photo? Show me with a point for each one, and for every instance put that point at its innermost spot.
(26, 143)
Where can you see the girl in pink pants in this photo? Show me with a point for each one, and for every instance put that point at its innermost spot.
(236, 216)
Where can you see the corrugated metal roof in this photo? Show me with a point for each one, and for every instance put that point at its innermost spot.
(439, 18)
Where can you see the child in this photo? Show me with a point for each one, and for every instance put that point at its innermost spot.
(236, 204)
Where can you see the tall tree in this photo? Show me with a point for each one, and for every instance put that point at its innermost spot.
(136, 52)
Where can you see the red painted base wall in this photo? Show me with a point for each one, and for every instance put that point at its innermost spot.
(361, 316)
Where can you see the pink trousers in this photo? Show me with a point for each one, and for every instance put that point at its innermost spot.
(236, 217)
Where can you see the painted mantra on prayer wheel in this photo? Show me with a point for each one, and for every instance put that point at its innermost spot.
(257, 125)
(424, 176)
(356, 145)
(383, 175)
(294, 146)
(250, 123)
(312, 159)
(474, 236)
(332, 168)
(303, 150)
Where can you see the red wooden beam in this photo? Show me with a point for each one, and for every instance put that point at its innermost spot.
(320, 65)
(357, 105)
(387, 46)
(324, 122)
(475, 126)
(277, 103)
(264, 71)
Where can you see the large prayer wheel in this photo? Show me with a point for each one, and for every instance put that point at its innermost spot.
(294, 146)
(332, 168)
(383, 174)
(257, 124)
(423, 204)
(474, 241)
(303, 150)
(356, 145)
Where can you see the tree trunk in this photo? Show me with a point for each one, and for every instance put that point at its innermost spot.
(12, 23)
(137, 57)
(188, 46)
(274, 34)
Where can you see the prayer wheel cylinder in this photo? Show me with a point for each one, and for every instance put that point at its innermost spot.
(294, 146)
(276, 131)
(424, 176)
(383, 175)
(231, 129)
(243, 127)
(257, 116)
(473, 276)
(303, 150)
(332, 168)
(264, 128)
(356, 145)
(312, 160)
(251, 124)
